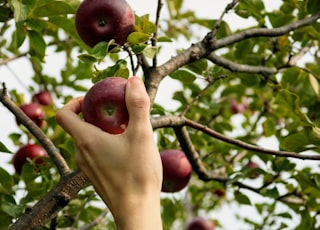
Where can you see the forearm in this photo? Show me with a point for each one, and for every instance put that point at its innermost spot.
(139, 214)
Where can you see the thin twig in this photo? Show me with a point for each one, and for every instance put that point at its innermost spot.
(264, 32)
(179, 121)
(94, 223)
(196, 98)
(155, 35)
(235, 67)
(7, 60)
(217, 25)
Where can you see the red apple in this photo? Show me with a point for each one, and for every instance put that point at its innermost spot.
(252, 166)
(104, 105)
(34, 112)
(28, 152)
(199, 223)
(43, 98)
(219, 192)
(176, 170)
(237, 107)
(103, 20)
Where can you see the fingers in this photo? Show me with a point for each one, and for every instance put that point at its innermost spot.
(68, 117)
(138, 103)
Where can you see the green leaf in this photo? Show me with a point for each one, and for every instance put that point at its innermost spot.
(272, 193)
(254, 8)
(296, 142)
(199, 66)
(317, 180)
(144, 25)
(279, 18)
(20, 10)
(53, 9)
(285, 215)
(37, 44)
(15, 137)
(88, 58)
(269, 127)
(11, 209)
(174, 7)
(3, 148)
(149, 51)
(4, 13)
(164, 39)
(314, 84)
(138, 37)
(241, 198)
(291, 101)
(138, 48)
(100, 50)
(313, 6)
(6, 181)
(184, 76)
(68, 146)
(282, 164)
(18, 37)
(5, 220)
(120, 69)
(312, 134)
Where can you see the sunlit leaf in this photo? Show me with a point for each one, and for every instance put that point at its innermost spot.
(242, 198)
(6, 181)
(138, 37)
(149, 51)
(53, 9)
(183, 75)
(296, 142)
(3, 148)
(37, 44)
(88, 58)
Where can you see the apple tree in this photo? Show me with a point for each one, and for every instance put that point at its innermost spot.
(237, 90)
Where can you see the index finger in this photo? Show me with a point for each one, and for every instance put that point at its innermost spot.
(68, 117)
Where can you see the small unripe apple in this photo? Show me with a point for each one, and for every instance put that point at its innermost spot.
(176, 170)
(28, 152)
(103, 20)
(34, 112)
(43, 98)
(199, 223)
(104, 105)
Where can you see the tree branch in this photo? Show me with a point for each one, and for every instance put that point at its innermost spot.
(208, 45)
(193, 156)
(179, 121)
(234, 67)
(52, 151)
(7, 60)
(49, 206)
(155, 35)
(263, 32)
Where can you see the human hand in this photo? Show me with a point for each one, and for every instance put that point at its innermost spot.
(124, 169)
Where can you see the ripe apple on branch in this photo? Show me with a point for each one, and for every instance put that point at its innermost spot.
(104, 20)
(29, 152)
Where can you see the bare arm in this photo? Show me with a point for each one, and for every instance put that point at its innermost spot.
(124, 169)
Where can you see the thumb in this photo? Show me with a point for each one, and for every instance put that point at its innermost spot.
(138, 102)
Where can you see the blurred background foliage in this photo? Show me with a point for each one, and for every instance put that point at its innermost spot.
(282, 193)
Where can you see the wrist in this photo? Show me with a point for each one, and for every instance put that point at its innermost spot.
(142, 212)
